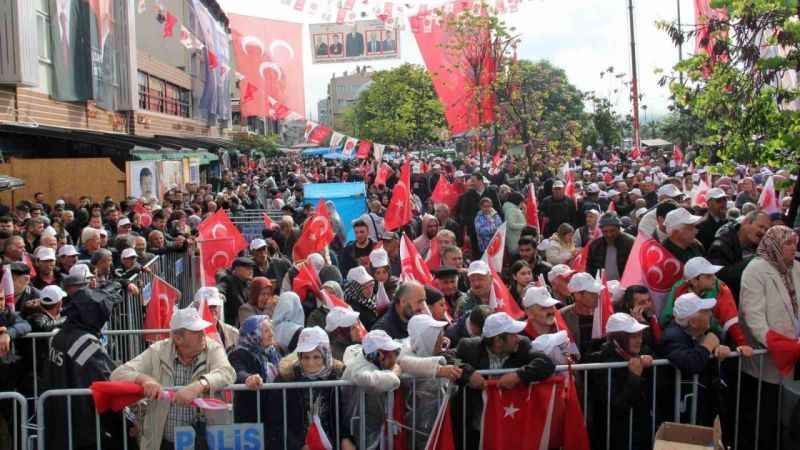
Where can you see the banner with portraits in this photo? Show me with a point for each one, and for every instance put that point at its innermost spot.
(361, 40)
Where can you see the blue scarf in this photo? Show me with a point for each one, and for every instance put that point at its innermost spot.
(250, 339)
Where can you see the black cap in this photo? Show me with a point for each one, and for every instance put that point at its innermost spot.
(243, 261)
(445, 272)
(18, 268)
(432, 295)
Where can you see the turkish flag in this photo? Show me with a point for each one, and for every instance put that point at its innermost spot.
(7, 282)
(445, 192)
(268, 223)
(316, 439)
(412, 265)
(501, 300)
(219, 226)
(433, 260)
(306, 279)
(215, 255)
(332, 301)
(441, 437)
(532, 208)
(163, 298)
(317, 233)
(612, 207)
(319, 134)
(653, 266)
(115, 395)
(145, 218)
(399, 211)
(769, 201)
(569, 189)
(363, 149)
(249, 92)
(578, 263)
(493, 255)
(384, 171)
(169, 24)
(700, 197)
(602, 311)
(784, 351)
(269, 53)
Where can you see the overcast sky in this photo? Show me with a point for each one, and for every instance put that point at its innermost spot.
(581, 36)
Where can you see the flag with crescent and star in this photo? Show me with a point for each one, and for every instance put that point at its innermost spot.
(521, 418)
(650, 264)
(316, 235)
(215, 255)
(412, 266)
(219, 226)
(399, 211)
(493, 255)
(163, 298)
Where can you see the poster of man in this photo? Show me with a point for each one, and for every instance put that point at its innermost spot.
(142, 177)
(170, 176)
(358, 41)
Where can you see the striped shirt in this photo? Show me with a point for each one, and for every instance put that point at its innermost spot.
(180, 416)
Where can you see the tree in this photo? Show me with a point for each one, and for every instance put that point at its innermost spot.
(399, 107)
(266, 145)
(607, 123)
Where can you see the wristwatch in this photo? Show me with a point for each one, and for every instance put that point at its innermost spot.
(206, 385)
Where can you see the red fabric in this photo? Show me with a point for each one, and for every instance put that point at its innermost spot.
(319, 134)
(269, 53)
(384, 171)
(612, 207)
(306, 279)
(495, 251)
(412, 266)
(636, 153)
(269, 223)
(316, 439)
(434, 260)
(501, 300)
(677, 154)
(579, 261)
(8, 287)
(441, 437)
(532, 208)
(213, 61)
(169, 24)
(399, 415)
(163, 298)
(215, 255)
(115, 395)
(784, 351)
(350, 145)
(725, 311)
(603, 311)
(655, 327)
(317, 233)
(249, 92)
(704, 40)
(445, 193)
(399, 211)
(651, 265)
(219, 226)
(364, 148)
(569, 188)
(769, 200)
(575, 436)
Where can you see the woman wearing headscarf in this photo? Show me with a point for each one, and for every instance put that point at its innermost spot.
(768, 304)
(422, 357)
(255, 360)
(359, 293)
(260, 299)
(288, 321)
(314, 362)
(487, 221)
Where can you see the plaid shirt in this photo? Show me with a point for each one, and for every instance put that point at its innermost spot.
(180, 415)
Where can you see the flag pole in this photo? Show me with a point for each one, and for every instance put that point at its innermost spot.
(635, 80)
(680, 42)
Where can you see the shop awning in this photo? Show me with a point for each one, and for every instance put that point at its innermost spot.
(8, 183)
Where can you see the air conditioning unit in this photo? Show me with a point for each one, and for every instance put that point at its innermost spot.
(19, 52)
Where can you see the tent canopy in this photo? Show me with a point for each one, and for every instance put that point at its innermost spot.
(316, 151)
(349, 199)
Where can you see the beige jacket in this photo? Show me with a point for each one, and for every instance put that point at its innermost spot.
(764, 305)
(157, 362)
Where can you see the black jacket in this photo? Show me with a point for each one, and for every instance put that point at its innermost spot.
(557, 212)
(235, 291)
(727, 251)
(707, 230)
(392, 324)
(596, 259)
(245, 404)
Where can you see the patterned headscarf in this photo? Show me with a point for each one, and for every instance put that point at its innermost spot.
(327, 363)
(770, 250)
(250, 339)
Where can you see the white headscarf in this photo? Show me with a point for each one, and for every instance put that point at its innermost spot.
(423, 341)
(287, 318)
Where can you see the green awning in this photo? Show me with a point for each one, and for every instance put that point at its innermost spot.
(203, 157)
(146, 156)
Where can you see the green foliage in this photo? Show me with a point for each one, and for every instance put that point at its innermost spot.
(607, 125)
(743, 110)
(266, 145)
(400, 107)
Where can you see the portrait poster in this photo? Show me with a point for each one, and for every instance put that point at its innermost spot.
(142, 179)
(170, 176)
(360, 41)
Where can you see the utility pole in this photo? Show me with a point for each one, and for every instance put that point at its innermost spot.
(680, 42)
(635, 81)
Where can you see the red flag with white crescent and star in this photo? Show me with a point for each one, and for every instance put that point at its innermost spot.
(383, 174)
(651, 265)
(215, 255)
(364, 148)
(316, 234)
(219, 226)
(532, 208)
(500, 298)
(316, 438)
(769, 200)
(319, 134)
(433, 260)
(163, 298)
(493, 255)
(445, 192)
(305, 281)
(399, 212)
(412, 265)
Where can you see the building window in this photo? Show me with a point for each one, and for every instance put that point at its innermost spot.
(45, 45)
(160, 96)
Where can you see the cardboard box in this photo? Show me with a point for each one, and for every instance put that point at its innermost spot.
(678, 436)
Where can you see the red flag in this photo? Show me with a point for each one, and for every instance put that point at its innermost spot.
(219, 226)
(169, 24)
(384, 171)
(575, 436)
(26, 259)
(269, 53)
(412, 265)
(700, 197)
(445, 192)
(569, 189)
(364, 148)
(636, 153)
(677, 154)
(249, 92)
(317, 233)
(532, 208)
(651, 265)
(501, 300)
(398, 432)
(602, 311)
(433, 260)
(115, 395)
(213, 61)
(399, 211)
(441, 437)
(784, 351)
(704, 40)
(493, 255)
(306, 279)
(319, 134)
(268, 223)
(316, 439)
(332, 301)
(215, 255)
(769, 200)
(612, 207)
(163, 298)
(7, 283)
(578, 263)
(145, 219)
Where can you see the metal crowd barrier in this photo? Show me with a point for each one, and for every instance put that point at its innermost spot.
(13, 428)
(251, 221)
(686, 404)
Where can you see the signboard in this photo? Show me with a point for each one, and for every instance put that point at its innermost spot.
(359, 41)
(238, 436)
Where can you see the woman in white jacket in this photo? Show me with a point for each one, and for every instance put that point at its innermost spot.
(422, 358)
(562, 248)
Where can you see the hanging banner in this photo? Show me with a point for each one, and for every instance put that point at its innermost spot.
(359, 41)
(268, 55)
(214, 90)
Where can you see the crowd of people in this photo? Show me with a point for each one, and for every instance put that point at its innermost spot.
(72, 262)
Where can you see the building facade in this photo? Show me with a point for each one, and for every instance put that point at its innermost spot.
(343, 91)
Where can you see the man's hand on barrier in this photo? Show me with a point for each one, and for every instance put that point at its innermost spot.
(722, 352)
(452, 373)
(509, 380)
(647, 361)
(745, 350)
(187, 394)
(710, 341)
(133, 289)
(152, 388)
(635, 366)
(253, 381)
(476, 381)
(5, 344)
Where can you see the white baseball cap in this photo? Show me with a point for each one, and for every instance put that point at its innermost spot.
(679, 217)
(123, 222)
(593, 188)
(128, 253)
(559, 270)
(499, 323)
(699, 266)
(540, 296)
(311, 338)
(636, 191)
(257, 243)
(690, 304)
(67, 250)
(621, 322)
(378, 340)
(52, 294)
(478, 267)
(340, 317)
(545, 343)
(582, 281)
(422, 322)
(558, 184)
(45, 254)
(81, 271)
(187, 319)
(210, 295)
(360, 275)
(379, 258)
(716, 194)
(669, 190)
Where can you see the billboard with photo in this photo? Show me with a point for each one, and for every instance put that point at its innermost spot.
(362, 40)
(142, 177)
